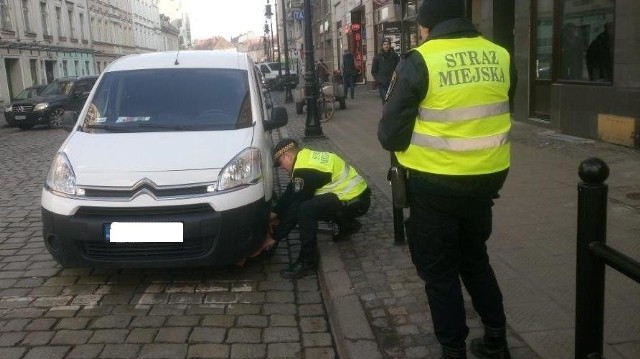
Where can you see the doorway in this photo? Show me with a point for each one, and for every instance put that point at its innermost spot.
(542, 60)
(48, 69)
(12, 68)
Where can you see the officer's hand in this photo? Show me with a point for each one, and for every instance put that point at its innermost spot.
(273, 221)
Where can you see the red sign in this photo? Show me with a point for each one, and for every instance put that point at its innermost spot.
(355, 27)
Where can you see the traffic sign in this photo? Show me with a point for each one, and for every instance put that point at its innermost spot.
(297, 14)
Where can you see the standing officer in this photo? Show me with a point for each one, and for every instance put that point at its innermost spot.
(447, 119)
(383, 65)
(322, 187)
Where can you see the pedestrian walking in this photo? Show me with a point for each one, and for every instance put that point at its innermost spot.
(349, 73)
(384, 63)
(447, 120)
(322, 187)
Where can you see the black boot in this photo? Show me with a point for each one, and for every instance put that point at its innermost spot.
(493, 345)
(298, 269)
(343, 231)
(454, 353)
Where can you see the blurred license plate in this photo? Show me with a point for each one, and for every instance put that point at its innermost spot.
(20, 117)
(137, 232)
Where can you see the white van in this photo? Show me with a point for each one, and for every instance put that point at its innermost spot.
(168, 165)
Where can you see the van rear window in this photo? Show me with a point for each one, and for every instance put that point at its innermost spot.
(170, 100)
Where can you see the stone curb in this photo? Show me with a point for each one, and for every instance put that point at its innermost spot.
(349, 325)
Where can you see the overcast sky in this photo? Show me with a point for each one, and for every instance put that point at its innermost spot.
(226, 18)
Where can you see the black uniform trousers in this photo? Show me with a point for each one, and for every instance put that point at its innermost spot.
(446, 238)
(325, 207)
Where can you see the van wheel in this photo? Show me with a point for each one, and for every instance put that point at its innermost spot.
(299, 107)
(343, 103)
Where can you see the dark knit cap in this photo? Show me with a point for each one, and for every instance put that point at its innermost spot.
(283, 146)
(433, 12)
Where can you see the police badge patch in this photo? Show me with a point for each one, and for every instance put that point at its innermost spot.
(298, 184)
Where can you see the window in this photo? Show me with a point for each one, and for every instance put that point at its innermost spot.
(44, 18)
(5, 15)
(72, 32)
(25, 16)
(59, 21)
(81, 19)
(587, 40)
(65, 68)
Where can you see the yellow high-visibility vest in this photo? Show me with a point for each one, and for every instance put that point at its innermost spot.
(346, 183)
(463, 124)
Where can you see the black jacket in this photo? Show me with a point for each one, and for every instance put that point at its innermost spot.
(401, 109)
(383, 65)
(349, 65)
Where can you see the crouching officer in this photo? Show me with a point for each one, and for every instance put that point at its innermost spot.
(322, 187)
(447, 120)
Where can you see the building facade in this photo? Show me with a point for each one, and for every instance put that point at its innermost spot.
(578, 61)
(41, 40)
(178, 16)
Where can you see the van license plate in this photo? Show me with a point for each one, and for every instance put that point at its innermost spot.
(147, 232)
(20, 117)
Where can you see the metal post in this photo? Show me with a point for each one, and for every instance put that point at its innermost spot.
(312, 124)
(288, 96)
(277, 40)
(590, 269)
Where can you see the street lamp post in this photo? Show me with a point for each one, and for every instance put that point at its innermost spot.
(312, 124)
(268, 14)
(267, 48)
(288, 97)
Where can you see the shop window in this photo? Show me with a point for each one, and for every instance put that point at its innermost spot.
(587, 40)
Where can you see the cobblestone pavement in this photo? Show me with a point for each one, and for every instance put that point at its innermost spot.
(50, 312)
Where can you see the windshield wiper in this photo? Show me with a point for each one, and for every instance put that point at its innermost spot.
(109, 128)
(160, 126)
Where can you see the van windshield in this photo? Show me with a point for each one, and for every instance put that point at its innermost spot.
(170, 100)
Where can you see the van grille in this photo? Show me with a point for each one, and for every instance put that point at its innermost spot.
(190, 248)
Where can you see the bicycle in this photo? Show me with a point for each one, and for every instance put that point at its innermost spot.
(326, 101)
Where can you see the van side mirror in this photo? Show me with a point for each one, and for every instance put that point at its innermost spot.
(279, 118)
(69, 120)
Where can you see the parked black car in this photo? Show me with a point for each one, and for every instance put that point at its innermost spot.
(27, 93)
(63, 94)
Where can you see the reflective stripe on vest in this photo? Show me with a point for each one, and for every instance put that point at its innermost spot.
(463, 123)
(464, 114)
(458, 144)
(345, 181)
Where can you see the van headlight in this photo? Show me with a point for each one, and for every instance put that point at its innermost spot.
(41, 106)
(242, 170)
(61, 177)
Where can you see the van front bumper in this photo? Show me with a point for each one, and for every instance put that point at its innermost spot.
(210, 238)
